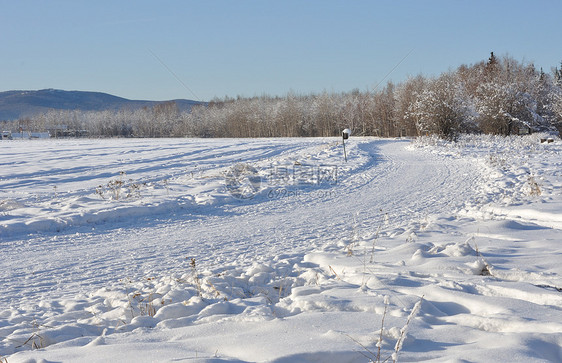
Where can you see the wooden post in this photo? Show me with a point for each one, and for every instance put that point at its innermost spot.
(345, 135)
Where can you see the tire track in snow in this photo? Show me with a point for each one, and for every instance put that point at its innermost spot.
(403, 183)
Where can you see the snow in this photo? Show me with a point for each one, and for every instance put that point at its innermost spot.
(277, 250)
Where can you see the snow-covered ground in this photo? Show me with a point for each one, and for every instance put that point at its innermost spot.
(277, 250)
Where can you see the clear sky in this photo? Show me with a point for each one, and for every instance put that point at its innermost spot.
(161, 50)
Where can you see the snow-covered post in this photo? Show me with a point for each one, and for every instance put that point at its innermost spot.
(345, 135)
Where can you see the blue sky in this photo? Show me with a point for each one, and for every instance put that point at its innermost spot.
(163, 50)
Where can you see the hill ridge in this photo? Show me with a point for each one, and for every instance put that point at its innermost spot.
(17, 104)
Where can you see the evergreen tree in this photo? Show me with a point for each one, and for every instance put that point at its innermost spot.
(491, 69)
(492, 61)
(558, 75)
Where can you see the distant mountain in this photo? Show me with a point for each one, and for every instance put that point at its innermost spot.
(19, 104)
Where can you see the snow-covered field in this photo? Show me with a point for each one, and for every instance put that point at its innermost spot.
(276, 250)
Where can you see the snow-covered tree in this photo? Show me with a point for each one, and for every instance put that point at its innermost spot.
(442, 108)
(407, 94)
(512, 99)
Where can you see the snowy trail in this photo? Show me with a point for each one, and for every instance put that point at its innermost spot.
(301, 272)
(241, 232)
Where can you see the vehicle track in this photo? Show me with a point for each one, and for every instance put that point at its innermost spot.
(402, 184)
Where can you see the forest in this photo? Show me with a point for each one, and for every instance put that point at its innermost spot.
(499, 95)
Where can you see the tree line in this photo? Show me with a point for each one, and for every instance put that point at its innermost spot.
(497, 96)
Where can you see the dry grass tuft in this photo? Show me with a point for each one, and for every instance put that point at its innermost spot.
(487, 269)
(35, 341)
(535, 189)
(376, 357)
(196, 278)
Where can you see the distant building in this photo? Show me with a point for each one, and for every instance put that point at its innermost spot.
(6, 135)
(521, 128)
(58, 130)
(63, 131)
(30, 135)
